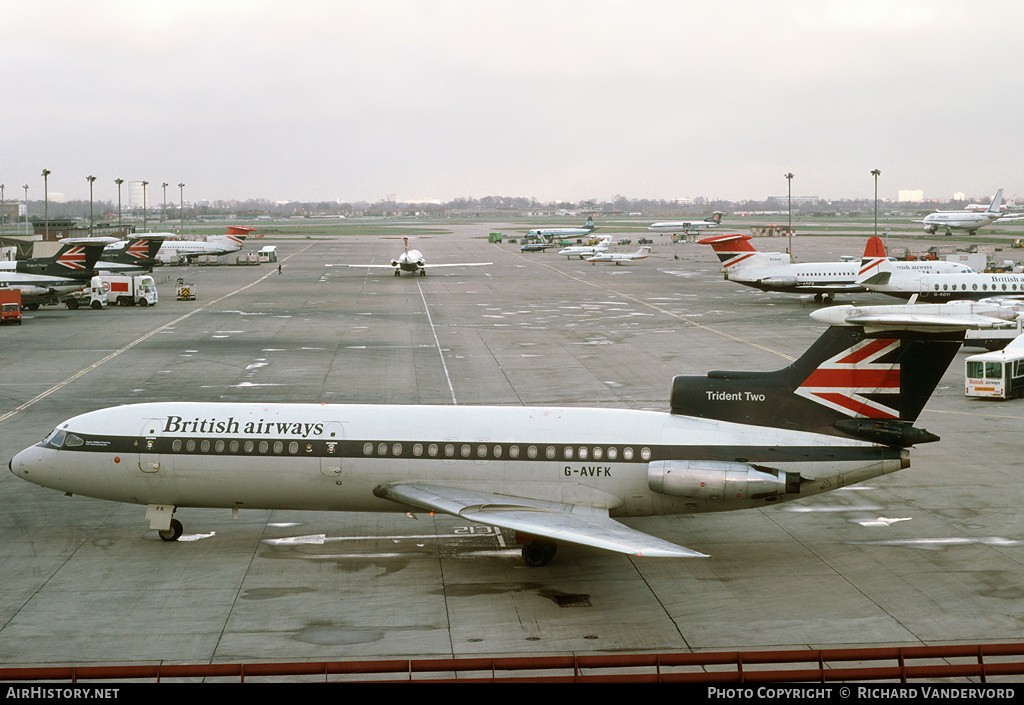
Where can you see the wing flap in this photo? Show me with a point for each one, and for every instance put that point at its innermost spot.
(589, 526)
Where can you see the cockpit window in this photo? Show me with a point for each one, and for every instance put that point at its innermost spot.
(72, 440)
(56, 439)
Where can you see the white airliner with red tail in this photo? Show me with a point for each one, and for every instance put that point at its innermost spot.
(774, 271)
(842, 413)
(173, 248)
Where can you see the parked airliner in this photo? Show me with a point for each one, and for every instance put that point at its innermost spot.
(687, 226)
(970, 220)
(584, 251)
(620, 257)
(46, 279)
(844, 412)
(412, 261)
(774, 271)
(925, 286)
(174, 249)
(551, 233)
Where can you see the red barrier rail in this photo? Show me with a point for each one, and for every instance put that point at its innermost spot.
(976, 662)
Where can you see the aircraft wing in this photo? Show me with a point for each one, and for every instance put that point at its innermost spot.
(831, 287)
(427, 265)
(952, 321)
(368, 266)
(565, 522)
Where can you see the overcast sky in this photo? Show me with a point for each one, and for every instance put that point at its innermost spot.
(430, 99)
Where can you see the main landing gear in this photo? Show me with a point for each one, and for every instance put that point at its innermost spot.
(537, 551)
(824, 297)
(173, 533)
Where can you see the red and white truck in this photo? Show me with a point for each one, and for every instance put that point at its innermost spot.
(127, 290)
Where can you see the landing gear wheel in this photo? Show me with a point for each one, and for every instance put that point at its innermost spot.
(173, 533)
(538, 553)
(817, 297)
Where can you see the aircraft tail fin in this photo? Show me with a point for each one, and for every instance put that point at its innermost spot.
(997, 202)
(874, 260)
(716, 218)
(733, 250)
(74, 260)
(140, 251)
(869, 385)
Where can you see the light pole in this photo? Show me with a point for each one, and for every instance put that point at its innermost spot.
(181, 192)
(26, 208)
(119, 182)
(90, 179)
(2, 204)
(144, 185)
(789, 183)
(46, 204)
(163, 215)
(876, 173)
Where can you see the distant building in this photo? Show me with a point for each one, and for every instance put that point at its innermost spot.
(909, 196)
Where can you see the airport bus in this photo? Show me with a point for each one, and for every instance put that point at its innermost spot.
(996, 375)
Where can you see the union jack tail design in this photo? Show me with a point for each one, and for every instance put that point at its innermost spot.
(849, 382)
(73, 258)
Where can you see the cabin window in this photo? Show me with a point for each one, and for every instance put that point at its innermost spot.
(465, 451)
(449, 450)
(219, 446)
(396, 449)
(382, 449)
(190, 446)
(233, 447)
(278, 447)
(367, 449)
(974, 286)
(627, 453)
(417, 449)
(531, 452)
(645, 454)
(176, 445)
(264, 447)
(513, 451)
(597, 453)
(432, 450)
(481, 451)
(613, 453)
(549, 452)
(497, 451)
(567, 451)
(583, 453)
(248, 446)
(293, 447)
(204, 447)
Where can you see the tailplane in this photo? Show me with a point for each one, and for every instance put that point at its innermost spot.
(850, 382)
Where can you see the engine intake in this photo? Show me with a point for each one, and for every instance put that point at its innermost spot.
(714, 479)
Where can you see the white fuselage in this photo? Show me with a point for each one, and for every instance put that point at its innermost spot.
(583, 251)
(950, 286)
(332, 457)
(679, 226)
(825, 277)
(959, 220)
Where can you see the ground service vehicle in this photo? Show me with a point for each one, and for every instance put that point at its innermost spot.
(996, 375)
(185, 291)
(127, 290)
(268, 253)
(10, 306)
(94, 296)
